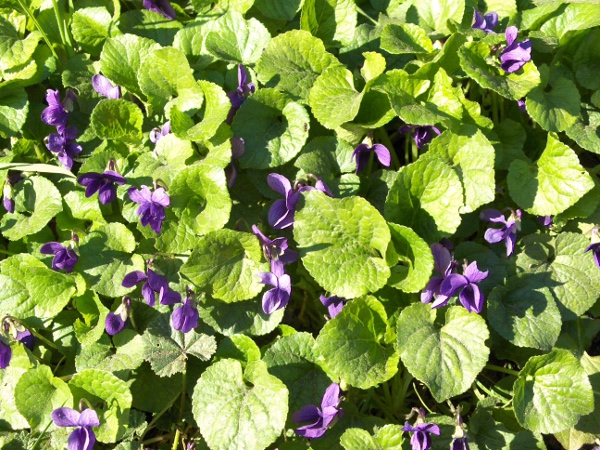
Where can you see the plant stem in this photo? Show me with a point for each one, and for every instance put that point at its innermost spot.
(176, 439)
(39, 27)
(501, 369)
(364, 14)
(421, 400)
(39, 153)
(33, 447)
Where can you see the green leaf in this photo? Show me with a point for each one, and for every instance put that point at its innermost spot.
(292, 359)
(105, 259)
(32, 291)
(513, 86)
(122, 57)
(110, 397)
(448, 357)
(91, 328)
(512, 137)
(167, 349)
(91, 27)
(373, 67)
(41, 168)
(239, 347)
(574, 17)
(405, 38)
(14, 106)
(291, 63)
(334, 83)
(340, 240)
(118, 120)
(426, 196)
(153, 393)
(275, 9)
(236, 39)
(127, 353)
(38, 393)
(434, 14)
(586, 131)
(356, 345)
(524, 312)
(20, 362)
(191, 40)
(552, 184)
(552, 392)
(471, 155)
(388, 437)
(331, 21)
(274, 129)
(586, 61)
(225, 263)
(414, 258)
(149, 24)
(557, 109)
(239, 410)
(15, 51)
(326, 157)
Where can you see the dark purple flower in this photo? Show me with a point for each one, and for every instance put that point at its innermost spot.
(116, 322)
(420, 440)
(154, 284)
(486, 23)
(460, 444)
(57, 112)
(64, 258)
(103, 183)
(185, 317)
(152, 206)
(595, 248)
(157, 133)
(64, 145)
(83, 437)
(422, 135)
(508, 233)
(470, 295)
(321, 418)
(334, 304)
(5, 354)
(362, 153)
(443, 265)
(162, 7)
(516, 54)
(238, 147)
(275, 249)
(26, 338)
(104, 87)
(521, 105)
(279, 296)
(7, 200)
(240, 95)
(545, 220)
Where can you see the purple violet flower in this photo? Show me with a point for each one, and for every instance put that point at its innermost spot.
(460, 444)
(238, 148)
(57, 112)
(444, 264)
(152, 206)
(157, 133)
(521, 105)
(281, 213)
(154, 284)
(103, 183)
(545, 220)
(334, 304)
(116, 322)
(240, 95)
(486, 23)
(362, 153)
(420, 440)
(595, 246)
(276, 249)
(422, 135)
(64, 258)
(508, 233)
(83, 437)
(321, 418)
(470, 295)
(162, 7)
(5, 354)
(104, 87)
(7, 200)
(26, 338)
(64, 145)
(185, 317)
(516, 54)
(279, 296)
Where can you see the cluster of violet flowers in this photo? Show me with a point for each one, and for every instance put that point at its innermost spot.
(57, 115)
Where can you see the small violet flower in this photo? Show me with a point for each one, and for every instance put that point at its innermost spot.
(238, 148)
(508, 233)
(516, 54)
(185, 317)
(64, 258)
(521, 105)
(5, 354)
(321, 418)
(421, 439)
(470, 295)
(64, 145)
(240, 95)
(157, 133)
(545, 220)
(83, 437)
(362, 153)
(422, 135)
(57, 112)
(460, 444)
(162, 7)
(334, 304)
(281, 213)
(116, 322)
(443, 265)
(486, 23)
(7, 198)
(595, 247)
(275, 249)
(279, 296)
(152, 206)
(104, 87)
(154, 284)
(103, 183)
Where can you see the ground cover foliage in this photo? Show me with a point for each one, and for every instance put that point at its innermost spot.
(260, 224)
